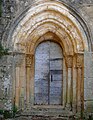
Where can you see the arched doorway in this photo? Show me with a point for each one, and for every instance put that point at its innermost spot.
(52, 20)
(48, 74)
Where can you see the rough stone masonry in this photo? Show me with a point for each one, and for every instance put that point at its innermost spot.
(24, 24)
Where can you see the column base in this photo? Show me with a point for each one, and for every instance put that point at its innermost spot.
(68, 106)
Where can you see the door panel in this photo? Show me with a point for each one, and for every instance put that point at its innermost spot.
(48, 73)
(41, 73)
(55, 73)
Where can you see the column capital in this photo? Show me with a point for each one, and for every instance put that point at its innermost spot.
(29, 58)
(79, 60)
(69, 61)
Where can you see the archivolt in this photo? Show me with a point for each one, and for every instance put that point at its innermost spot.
(50, 17)
(48, 27)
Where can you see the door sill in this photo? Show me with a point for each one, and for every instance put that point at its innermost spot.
(48, 106)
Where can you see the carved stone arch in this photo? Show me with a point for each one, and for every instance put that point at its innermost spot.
(64, 45)
(47, 36)
(65, 6)
(36, 26)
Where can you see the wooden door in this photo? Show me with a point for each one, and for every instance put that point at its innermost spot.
(48, 74)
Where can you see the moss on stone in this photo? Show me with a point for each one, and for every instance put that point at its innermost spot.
(3, 51)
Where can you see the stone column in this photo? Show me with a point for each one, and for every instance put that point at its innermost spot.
(69, 87)
(32, 81)
(14, 80)
(17, 84)
(64, 84)
(74, 84)
(20, 81)
(28, 77)
(80, 82)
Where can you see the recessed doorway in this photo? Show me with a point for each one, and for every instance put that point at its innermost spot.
(48, 74)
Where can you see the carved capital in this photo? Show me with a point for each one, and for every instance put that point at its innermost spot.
(79, 60)
(69, 61)
(29, 60)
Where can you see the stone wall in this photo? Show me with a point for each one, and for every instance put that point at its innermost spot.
(88, 81)
(10, 11)
(6, 83)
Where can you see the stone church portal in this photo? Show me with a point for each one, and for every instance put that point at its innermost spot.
(49, 68)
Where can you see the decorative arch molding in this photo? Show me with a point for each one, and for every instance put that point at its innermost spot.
(47, 36)
(58, 13)
(51, 20)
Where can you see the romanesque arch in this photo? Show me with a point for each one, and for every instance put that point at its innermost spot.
(53, 21)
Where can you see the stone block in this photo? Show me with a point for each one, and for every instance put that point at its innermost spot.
(88, 83)
(88, 94)
(88, 106)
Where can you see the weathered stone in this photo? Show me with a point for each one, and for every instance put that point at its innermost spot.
(70, 24)
(88, 81)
